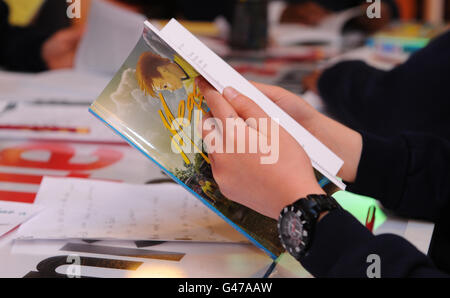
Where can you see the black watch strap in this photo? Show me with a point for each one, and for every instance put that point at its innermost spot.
(314, 205)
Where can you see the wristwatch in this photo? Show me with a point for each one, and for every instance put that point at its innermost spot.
(297, 222)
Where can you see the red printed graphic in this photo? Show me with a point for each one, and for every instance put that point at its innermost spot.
(59, 158)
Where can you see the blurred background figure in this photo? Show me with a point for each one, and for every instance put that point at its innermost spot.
(37, 35)
(412, 96)
(203, 10)
(310, 12)
(358, 93)
(41, 40)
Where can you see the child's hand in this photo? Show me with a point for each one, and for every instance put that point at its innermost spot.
(308, 13)
(242, 177)
(343, 141)
(60, 49)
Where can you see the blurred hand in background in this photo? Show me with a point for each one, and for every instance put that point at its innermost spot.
(311, 81)
(59, 50)
(308, 13)
(313, 12)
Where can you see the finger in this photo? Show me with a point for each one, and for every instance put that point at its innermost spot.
(219, 107)
(275, 93)
(254, 116)
(246, 108)
(292, 104)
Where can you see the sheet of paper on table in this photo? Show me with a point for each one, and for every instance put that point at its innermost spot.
(88, 209)
(13, 214)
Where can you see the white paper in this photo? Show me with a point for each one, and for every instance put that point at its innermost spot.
(89, 209)
(13, 214)
(220, 74)
(111, 34)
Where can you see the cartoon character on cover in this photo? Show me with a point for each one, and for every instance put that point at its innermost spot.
(155, 73)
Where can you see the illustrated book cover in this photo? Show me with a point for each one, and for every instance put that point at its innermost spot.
(155, 89)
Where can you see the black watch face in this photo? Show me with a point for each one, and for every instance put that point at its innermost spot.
(292, 232)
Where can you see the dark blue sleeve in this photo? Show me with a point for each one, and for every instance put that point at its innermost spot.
(413, 96)
(408, 174)
(341, 248)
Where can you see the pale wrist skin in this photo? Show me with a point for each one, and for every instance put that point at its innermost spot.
(343, 141)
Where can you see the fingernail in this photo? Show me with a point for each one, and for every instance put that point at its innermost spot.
(230, 93)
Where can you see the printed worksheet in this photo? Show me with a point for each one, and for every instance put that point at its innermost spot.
(89, 209)
(13, 214)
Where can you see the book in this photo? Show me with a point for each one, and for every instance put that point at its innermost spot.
(155, 88)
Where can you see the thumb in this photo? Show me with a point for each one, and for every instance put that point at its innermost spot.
(219, 107)
(246, 108)
(278, 95)
(292, 104)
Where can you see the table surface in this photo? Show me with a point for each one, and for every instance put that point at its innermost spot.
(33, 159)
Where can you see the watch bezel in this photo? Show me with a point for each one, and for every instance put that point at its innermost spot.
(305, 221)
(308, 211)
